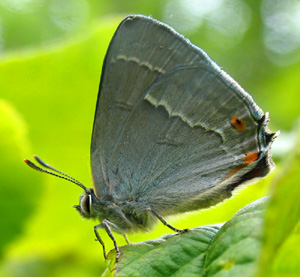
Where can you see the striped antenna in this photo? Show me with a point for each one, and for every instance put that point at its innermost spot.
(58, 173)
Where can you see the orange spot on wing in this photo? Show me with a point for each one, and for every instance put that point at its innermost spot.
(249, 158)
(238, 123)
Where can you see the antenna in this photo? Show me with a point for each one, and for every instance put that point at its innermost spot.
(60, 174)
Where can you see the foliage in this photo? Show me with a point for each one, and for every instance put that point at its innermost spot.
(49, 77)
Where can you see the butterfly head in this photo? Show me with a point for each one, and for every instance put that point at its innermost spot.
(86, 203)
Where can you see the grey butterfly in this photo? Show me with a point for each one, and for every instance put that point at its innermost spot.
(172, 132)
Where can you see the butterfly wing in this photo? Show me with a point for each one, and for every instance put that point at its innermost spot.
(171, 129)
(140, 50)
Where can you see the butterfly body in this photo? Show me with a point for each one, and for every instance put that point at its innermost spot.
(124, 215)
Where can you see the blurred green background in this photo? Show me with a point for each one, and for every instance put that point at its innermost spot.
(51, 54)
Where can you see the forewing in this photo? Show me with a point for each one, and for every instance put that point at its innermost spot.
(141, 49)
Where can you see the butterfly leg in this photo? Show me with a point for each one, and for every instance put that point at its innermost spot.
(164, 222)
(127, 240)
(105, 224)
(99, 238)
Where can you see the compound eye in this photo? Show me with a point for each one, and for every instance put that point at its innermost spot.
(85, 205)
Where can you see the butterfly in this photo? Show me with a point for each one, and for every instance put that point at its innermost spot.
(172, 132)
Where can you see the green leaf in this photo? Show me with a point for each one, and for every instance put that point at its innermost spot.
(171, 255)
(235, 249)
(280, 252)
(225, 250)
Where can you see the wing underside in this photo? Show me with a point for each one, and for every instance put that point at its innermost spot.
(163, 126)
